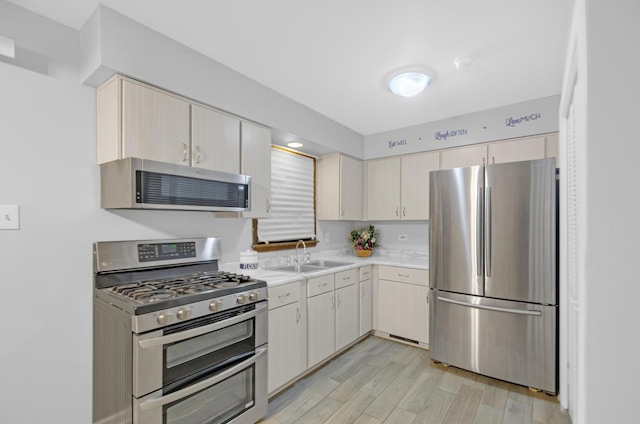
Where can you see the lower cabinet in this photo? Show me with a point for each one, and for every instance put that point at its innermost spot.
(332, 308)
(403, 304)
(287, 338)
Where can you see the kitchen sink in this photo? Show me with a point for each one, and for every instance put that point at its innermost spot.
(311, 266)
(327, 264)
(296, 268)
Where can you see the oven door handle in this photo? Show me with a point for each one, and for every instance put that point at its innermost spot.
(187, 334)
(194, 388)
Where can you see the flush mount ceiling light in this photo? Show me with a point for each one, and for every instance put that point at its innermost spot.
(408, 82)
(294, 144)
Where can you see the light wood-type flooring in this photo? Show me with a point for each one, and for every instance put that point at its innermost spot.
(380, 381)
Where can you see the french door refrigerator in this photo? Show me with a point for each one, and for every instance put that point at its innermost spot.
(492, 271)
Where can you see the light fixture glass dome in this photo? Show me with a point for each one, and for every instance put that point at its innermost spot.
(294, 144)
(409, 84)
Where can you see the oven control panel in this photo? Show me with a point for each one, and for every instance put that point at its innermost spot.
(164, 251)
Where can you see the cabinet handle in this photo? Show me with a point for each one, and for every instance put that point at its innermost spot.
(333, 302)
(197, 149)
(342, 212)
(185, 152)
(493, 160)
(268, 206)
(322, 285)
(297, 315)
(362, 291)
(483, 161)
(346, 278)
(396, 211)
(404, 211)
(338, 301)
(287, 294)
(403, 275)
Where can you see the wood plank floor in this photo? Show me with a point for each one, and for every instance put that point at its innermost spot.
(380, 381)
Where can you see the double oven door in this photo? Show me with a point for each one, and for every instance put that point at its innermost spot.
(209, 370)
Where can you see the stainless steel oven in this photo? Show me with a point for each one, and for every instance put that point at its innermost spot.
(181, 343)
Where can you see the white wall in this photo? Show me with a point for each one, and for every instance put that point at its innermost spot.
(611, 281)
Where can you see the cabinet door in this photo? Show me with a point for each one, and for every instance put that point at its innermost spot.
(256, 162)
(321, 327)
(286, 345)
(350, 189)
(215, 140)
(383, 189)
(155, 125)
(463, 157)
(366, 307)
(551, 147)
(516, 150)
(346, 315)
(403, 310)
(415, 184)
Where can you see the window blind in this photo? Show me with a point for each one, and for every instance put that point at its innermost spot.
(292, 199)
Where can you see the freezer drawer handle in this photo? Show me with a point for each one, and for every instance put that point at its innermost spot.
(491, 308)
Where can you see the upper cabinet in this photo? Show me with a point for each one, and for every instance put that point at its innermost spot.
(529, 148)
(414, 184)
(135, 120)
(516, 150)
(138, 120)
(215, 140)
(256, 161)
(551, 147)
(398, 188)
(339, 187)
(463, 157)
(383, 189)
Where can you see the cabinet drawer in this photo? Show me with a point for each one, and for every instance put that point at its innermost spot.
(346, 278)
(319, 285)
(283, 295)
(404, 275)
(365, 273)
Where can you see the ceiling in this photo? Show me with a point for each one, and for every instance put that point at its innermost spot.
(334, 56)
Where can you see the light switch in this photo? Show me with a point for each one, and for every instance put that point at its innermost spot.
(9, 217)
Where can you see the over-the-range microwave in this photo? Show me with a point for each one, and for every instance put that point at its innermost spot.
(133, 183)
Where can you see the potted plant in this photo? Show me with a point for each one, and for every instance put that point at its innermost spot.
(364, 240)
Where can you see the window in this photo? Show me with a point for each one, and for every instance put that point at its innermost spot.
(293, 212)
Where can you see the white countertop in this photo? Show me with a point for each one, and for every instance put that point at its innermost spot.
(405, 259)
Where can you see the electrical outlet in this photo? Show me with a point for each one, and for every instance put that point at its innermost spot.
(327, 238)
(9, 217)
(402, 237)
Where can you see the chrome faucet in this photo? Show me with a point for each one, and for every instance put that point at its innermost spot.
(304, 251)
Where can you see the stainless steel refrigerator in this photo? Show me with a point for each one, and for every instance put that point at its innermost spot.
(492, 271)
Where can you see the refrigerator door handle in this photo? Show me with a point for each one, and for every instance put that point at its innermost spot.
(491, 308)
(488, 233)
(479, 241)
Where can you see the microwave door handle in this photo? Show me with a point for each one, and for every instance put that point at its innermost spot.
(183, 335)
(194, 388)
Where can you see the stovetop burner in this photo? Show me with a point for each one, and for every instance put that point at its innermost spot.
(143, 292)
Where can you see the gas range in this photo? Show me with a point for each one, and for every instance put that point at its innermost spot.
(174, 338)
